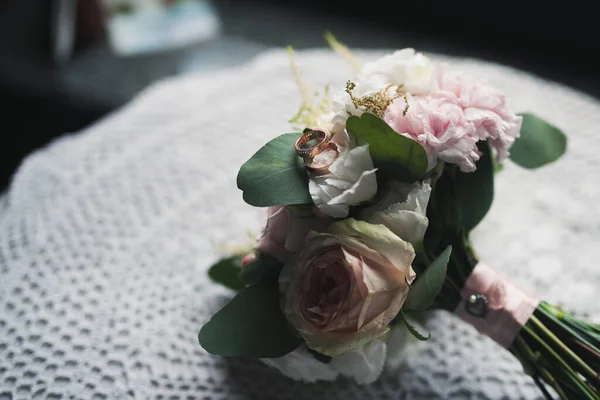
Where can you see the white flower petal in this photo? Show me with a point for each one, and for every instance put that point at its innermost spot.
(352, 163)
(351, 180)
(402, 210)
(417, 199)
(413, 71)
(408, 225)
(403, 196)
(364, 189)
(320, 192)
(401, 344)
(300, 365)
(338, 184)
(364, 364)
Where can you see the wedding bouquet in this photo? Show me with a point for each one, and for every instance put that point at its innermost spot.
(370, 206)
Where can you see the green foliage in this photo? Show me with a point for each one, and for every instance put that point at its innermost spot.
(262, 268)
(446, 227)
(474, 191)
(396, 156)
(251, 324)
(226, 271)
(424, 290)
(540, 143)
(275, 175)
(414, 330)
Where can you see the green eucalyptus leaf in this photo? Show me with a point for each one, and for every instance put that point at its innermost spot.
(275, 175)
(251, 324)
(474, 191)
(443, 211)
(226, 271)
(414, 330)
(394, 155)
(262, 268)
(540, 143)
(423, 291)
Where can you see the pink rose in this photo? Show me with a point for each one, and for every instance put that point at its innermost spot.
(438, 123)
(285, 233)
(484, 106)
(346, 286)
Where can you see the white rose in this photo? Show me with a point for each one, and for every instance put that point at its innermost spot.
(402, 210)
(300, 365)
(401, 344)
(413, 71)
(403, 67)
(350, 181)
(364, 364)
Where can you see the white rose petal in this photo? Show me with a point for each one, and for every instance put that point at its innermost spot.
(401, 344)
(300, 365)
(408, 225)
(414, 72)
(364, 364)
(351, 180)
(402, 210)
(405, 67)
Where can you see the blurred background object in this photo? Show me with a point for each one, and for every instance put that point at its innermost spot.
(66, 63)
(142, 26)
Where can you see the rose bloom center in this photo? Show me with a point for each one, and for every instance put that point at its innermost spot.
(326, 287)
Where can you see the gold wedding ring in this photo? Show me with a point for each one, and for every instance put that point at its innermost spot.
(323, 138)
(324, 142)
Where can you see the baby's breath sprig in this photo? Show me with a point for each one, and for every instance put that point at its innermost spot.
(343, 51)
(238, 249)
(405, 101)
(377, 102)
(311, 108)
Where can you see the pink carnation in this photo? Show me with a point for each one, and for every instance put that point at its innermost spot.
(484, 106)
(438, 123)
(449, 122)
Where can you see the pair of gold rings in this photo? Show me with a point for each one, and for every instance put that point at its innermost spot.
(323, 138)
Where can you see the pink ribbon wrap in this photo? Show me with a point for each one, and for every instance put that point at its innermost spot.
(508, 307)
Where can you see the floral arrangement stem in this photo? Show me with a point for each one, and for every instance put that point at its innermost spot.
(555, 348)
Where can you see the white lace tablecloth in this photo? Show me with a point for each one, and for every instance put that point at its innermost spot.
(106, 235)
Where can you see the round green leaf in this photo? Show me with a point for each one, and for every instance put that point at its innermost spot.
(251, 324)
(275, 175)
(475, 190)
(226, 271)
(423, 291)
(263, 268)
(394, 155)
(540, 143)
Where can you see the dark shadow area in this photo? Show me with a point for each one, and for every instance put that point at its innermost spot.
(42, 100)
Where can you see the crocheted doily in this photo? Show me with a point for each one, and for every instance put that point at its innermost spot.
(106, 235)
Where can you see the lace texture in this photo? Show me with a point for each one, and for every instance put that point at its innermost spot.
(106, 236)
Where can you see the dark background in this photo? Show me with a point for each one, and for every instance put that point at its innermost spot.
(40, 100)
